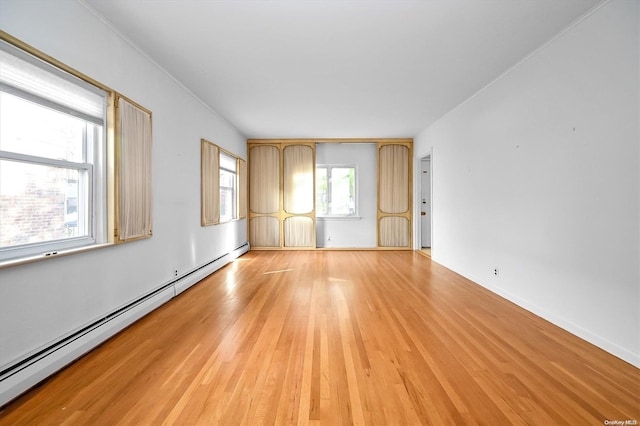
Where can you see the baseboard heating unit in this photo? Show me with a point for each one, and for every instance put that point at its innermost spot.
(29, 371)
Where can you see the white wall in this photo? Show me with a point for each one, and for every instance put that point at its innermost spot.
(537, 175)
(351, 233)
(42, 301)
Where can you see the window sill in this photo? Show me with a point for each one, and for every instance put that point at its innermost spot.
(331, 218)
(37, 258)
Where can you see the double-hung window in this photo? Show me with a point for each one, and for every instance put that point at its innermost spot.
(228, 185)
(336, 190)
(52, 157)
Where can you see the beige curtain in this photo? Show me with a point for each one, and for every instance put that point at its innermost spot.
(394, 231)
(298, 179)
(299, 232)
(394, 179)
(264, 175)
(394, 189)
(242, 189)
(264, 231)
(133, 172)
(210, 183)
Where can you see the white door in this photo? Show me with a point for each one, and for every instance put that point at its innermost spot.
(425, 202)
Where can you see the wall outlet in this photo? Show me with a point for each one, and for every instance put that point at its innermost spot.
(175, 273)
(496, 272)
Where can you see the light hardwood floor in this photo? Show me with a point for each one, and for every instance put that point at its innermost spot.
(332, 338)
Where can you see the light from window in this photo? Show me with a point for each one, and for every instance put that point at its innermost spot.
(336, 191)
(51, 140)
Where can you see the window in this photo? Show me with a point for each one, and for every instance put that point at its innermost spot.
(336, 191)
(52, 151)
(69, 177)
(223, 185)
(228, 184)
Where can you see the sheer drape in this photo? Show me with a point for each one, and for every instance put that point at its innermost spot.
(394, 231)
(264, 175)
(242, 189)
(264, 231)
(133, 172)
(210, 185)
(264, 196)
(299, 232)
(282, 190)
(298, 179)
(281, 195)
(394, 179)
(394, 189)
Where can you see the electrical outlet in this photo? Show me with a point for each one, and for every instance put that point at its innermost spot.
(496, 272)
(175, 273)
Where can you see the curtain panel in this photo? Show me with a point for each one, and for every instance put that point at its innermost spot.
(264, 175)
(394, 179)
(299, 231)
(394, 195)
(264, 231)
(210, 183)
(242, 189)
(133, 172)
(298, 187)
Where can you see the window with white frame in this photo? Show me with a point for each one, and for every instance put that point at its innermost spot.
(336, 190)
(228, 185)
(52, 153)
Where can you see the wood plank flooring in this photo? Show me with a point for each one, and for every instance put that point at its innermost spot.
(331, 338)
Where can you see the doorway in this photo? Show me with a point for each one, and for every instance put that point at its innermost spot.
(425, 204)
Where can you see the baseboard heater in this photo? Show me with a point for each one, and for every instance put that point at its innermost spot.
(29, 371)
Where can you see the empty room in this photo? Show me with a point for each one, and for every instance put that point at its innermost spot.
(319, 212)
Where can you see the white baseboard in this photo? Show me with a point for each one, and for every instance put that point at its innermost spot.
(584, 334)
(28, 373)
(578, 331)
(188, 280)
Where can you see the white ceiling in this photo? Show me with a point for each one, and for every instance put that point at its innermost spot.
(337, 68)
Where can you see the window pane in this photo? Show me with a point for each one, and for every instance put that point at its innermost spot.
(40, 203)
(343, 191)
(322, 196)
(227, 162)
(31, 129)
